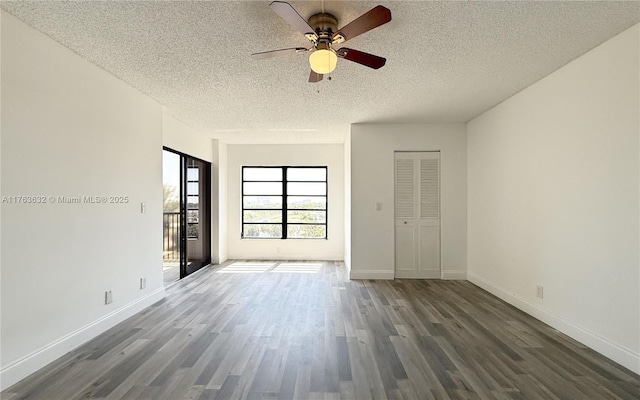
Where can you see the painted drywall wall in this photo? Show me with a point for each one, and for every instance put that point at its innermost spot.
(553, 199)
(219, 203)
(180, 137)
(330, 155)
(372, 180)
(71, 130)
(222, 202)
(347, 201)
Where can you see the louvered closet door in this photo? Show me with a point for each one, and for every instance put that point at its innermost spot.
(417, 214)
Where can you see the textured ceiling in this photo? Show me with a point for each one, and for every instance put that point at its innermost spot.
(446, 61)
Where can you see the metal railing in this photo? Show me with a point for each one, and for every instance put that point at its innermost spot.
(171, 236)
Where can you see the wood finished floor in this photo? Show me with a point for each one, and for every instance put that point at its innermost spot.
(170, 273)
(276, 331)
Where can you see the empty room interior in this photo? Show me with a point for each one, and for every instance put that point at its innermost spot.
(320, 200)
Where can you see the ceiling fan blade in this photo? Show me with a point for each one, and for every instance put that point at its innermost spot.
(361, 57)
(275, 53)
(289, 14)
(315, 77)
(373, 18)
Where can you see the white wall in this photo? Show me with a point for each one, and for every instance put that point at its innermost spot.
(71, 129)
(372, 180)
(180, 137)
(219, 203)
(553, 199)
(347, 201)
(330, 155)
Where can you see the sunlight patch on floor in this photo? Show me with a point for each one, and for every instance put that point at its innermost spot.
(246, 268)
(170, 264)
(259, 267)
(298, 268)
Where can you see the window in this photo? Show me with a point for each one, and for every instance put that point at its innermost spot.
(284, 202)
(193, 200)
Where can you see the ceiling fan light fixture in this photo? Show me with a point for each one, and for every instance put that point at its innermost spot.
(323, 61)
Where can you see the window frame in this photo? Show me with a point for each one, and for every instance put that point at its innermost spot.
(284, 207)
(190, 236)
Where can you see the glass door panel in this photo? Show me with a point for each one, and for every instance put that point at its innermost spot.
(171, 221)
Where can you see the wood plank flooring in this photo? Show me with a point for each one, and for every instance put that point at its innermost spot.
(270, 330)
(170, 273)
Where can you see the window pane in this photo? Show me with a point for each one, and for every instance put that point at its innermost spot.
(262, 188)
(192, 188)
(262, 202)
(307, 174)
(192, 231)
(192, 216)
(309, 217)
(306, 231)
(262, 231)
(294, 188)
(193, 203)
(262, 174)
(192, 174)
(262, 216)
(319, 203)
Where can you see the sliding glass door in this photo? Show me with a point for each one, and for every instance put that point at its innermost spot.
(197, 214)
(186, 214)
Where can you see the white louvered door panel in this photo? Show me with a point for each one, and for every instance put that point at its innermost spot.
(405, 209)
(417, 215)
(429, 188)
(405, 199)
(429, 233)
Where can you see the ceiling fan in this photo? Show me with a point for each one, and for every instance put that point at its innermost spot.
(322, 31)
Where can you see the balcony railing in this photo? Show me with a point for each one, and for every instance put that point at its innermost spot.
(171, 236)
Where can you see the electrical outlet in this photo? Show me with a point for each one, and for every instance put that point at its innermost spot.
(378, 206)
(540, 291)
(108, 297)
(143, 283)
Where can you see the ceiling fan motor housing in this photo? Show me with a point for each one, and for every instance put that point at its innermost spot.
(325, 25)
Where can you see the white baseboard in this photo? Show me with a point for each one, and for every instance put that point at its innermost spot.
(285, 257)
(32, 362)
(456, 275)
(371, 274)
(390, 274)
(623, 356)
